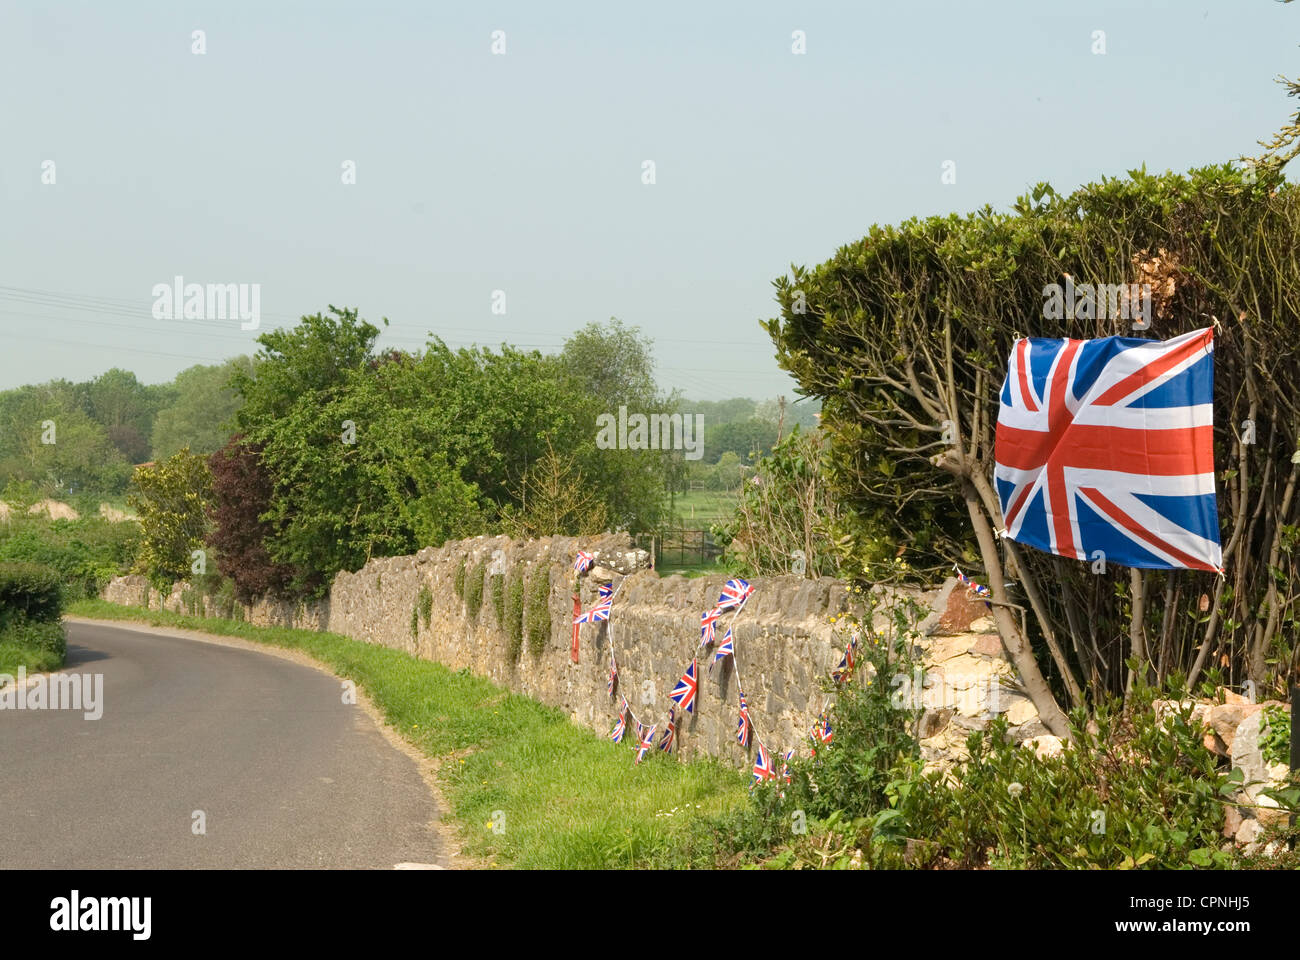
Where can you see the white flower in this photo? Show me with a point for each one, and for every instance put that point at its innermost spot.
(1015, 789)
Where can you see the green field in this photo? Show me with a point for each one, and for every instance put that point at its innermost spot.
(699, 508)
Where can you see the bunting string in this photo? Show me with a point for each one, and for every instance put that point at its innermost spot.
(735, 596)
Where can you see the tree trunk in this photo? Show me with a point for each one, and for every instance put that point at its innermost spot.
(1136, 631)
(1013, 640)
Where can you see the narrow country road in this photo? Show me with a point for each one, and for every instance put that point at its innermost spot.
(285, 773)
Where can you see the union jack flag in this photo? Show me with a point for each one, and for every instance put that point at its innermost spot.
(612, 685)
(707, 620)
(1108, 445)
(601, 610)
(647, 741)
(821, 731)
(684, 693)
(583, 563)
(725, 649)
(762, 765)
(670, 734)
(734, 593)
(620, 725)
(745, 727)
(841, 673)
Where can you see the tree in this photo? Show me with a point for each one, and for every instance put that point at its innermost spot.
(360, 469)
(171, 499)
(554, 500)
(123, 406)
(202, 412)
(47, 439)
(786, 514)
(747, 439)
(612, 365)
(241, 494)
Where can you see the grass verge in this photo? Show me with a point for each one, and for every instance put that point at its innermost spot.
(15, 655)
(561, 796)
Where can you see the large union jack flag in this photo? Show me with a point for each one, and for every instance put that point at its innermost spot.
(1108, 445)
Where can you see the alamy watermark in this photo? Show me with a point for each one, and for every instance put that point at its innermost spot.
(210, 301)
(55, 691)
(656, 431)
(972, 694)
(1101, 301)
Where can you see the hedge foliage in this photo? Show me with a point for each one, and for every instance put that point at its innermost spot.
(31, 605)
(912, 326)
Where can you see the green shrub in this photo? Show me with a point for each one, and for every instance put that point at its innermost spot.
(29, 592)
(1139, 791)
(225, 603)
(415, 621)
(87, 553)
(474, 589)
(46, 635)
(513, 624)
(459, 582)
(538, 611)
(1275, 738)
(1133, 790)
(499, 597)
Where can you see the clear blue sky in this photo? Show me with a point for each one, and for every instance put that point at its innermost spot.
(522, 172)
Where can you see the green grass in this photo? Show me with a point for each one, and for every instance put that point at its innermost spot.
(699, 508)
(570, 798)
(13, 656)
(689, 569)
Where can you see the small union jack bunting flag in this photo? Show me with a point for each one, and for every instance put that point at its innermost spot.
(979, 589)
(601, 610)
(762, 765)
(646, 742)
(684, 693)
(670, 734)
(745, 727)
(583, 563)
(734, 593)
(785, 765)
(726, 649)
(841, 673)
(707, 620)
(620, 725)
(821, 732)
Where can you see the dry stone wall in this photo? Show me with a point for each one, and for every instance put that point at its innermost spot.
(785, 642)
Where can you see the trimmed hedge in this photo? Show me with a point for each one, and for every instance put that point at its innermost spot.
(31, 604)
(29, 592)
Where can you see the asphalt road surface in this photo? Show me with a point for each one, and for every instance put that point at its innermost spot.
(285, 773)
